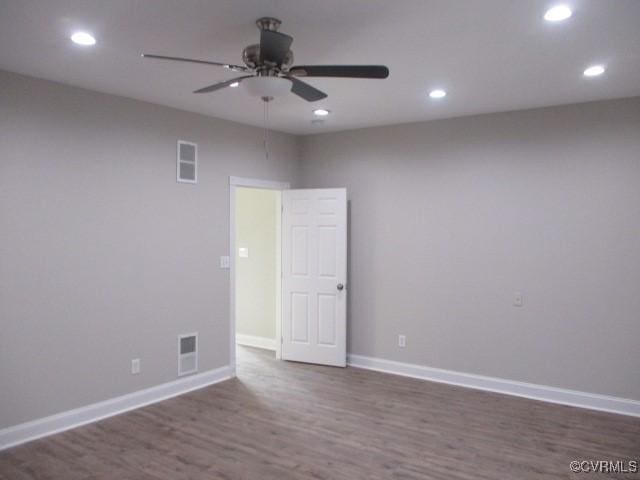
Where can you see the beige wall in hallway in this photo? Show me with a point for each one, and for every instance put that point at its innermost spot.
(257, 222)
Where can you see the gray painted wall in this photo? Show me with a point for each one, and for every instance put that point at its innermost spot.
(103, 256)
(450, 218)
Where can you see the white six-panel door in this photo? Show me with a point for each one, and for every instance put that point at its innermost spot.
(314, 255)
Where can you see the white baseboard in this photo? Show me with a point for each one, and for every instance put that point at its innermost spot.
(257, 342)
(42, 427)
(544, 393)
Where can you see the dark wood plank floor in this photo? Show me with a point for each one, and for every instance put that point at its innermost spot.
(281, 420)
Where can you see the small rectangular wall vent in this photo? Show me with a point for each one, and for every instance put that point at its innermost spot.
(187, 162)
(187, 353)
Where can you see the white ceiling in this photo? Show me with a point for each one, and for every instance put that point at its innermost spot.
(490, 55)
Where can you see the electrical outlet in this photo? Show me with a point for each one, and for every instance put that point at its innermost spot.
(518, 300)
(135, 366)
(402, 341)
(225, 262)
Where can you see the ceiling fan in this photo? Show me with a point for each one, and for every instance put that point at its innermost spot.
(269, 69)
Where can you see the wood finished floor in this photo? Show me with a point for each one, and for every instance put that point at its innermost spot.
(281, 420)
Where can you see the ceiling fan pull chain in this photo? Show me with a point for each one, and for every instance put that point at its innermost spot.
(265, 119)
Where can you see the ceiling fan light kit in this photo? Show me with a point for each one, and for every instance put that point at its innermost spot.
(266, 87)
(269, 70)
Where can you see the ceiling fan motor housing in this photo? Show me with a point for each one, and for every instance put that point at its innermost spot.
(251, 58)
(268, 23)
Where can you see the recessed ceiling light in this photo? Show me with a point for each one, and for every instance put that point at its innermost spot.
(594, 71)
(558, 13)
(234, 84)
(83, 38)
(437, 93)
(321, 112)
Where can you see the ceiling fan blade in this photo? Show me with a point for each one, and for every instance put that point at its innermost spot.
(219, 85)
(237, 68)
(346, 71)
(306, 91)
(274, 46)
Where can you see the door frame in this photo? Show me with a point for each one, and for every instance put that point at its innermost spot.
(234, 183)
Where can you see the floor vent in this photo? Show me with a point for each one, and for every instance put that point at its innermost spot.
(187, 354)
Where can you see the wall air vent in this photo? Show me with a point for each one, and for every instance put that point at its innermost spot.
(187, 162)
(187, 354)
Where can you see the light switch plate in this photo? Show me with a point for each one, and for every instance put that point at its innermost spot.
(243, 252)
(225, 261)
(402, 341)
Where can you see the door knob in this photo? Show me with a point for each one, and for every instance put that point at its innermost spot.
(340, 286)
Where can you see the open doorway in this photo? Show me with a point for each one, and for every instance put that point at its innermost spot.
(257, 259)
(256, 266)
(288, 271)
